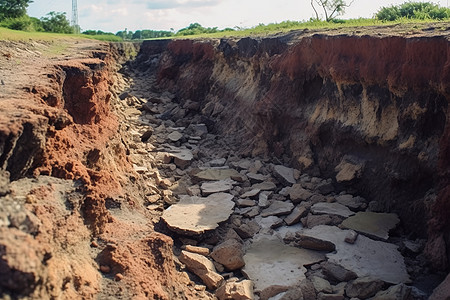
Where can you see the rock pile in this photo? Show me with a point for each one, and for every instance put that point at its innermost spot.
(255, 228)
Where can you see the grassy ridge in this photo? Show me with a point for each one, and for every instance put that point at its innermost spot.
(260, 30)
(286, 26)
(15, 35)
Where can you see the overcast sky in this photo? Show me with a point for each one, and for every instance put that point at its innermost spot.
(116, 15)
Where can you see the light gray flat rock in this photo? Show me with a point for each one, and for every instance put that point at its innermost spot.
(216, 174)
(265, 186)
(256, 177)
(269, 222)
(251, 193)
(219, 162)
(181, 157)
(278, 208)
(351, 202)
(269, 262)
(196, 215)
(372, 224)
(284, 174)
(331, 209)
(220, 186)
(175, 136)
(365, 257)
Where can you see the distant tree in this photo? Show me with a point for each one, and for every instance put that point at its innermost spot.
(126, 35)
(196, 28)
(331, 8)
(56, 22)
(10, 9)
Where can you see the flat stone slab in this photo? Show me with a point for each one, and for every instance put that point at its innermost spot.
(216, 174)
(351, 202)
(269, 222)
(175, 136)
(331, 209)
(284, 174)
(220, 186)
(256, 177)
(196, 215)
(181, 157)
(219, 162)
(297, 193)
(270, 262)
(365, 257)
(265, 186)
(251, 193)
(278, 208)
(372, 224)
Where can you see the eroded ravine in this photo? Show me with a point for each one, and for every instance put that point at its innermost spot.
(283, 144)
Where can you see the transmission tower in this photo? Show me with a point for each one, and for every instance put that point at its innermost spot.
(74, 21)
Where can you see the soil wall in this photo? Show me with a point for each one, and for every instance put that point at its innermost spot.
(373, 105)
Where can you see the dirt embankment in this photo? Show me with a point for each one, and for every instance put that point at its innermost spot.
(375, 104)
(63, 164)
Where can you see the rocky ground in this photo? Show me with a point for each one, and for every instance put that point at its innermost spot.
(141, 197)
(251, 227)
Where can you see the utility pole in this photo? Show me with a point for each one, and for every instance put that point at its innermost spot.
(74, 21)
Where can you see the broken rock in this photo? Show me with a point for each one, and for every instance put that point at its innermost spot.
(396, 292)
(229, 254)
(297, 193)
(215, 174)
(220, 186)
(363, 287)
(284, 174)
(372, 224)
(337, 273)
(321, 285)
(269, 262)
(235, 290)
(310, 242)
(251, 193)
(175, 136)
(202, 267)
(196, 215)
(295, 216)
(182, 157)
(278, 208)
(331, 209)
(365, 257)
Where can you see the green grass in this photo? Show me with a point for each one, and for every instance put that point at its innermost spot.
(16, 35)
(286, 26)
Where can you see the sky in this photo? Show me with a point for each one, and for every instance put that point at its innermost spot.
(117, 15)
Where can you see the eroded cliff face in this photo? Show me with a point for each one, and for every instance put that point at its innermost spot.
(63, 163)
(370, 111)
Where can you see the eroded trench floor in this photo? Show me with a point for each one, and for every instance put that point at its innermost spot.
(246, 227)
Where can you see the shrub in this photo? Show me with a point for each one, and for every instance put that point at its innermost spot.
(24, 23)
(413, 10)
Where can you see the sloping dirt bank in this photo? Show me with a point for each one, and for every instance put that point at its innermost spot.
(64, 163)
(372, 105)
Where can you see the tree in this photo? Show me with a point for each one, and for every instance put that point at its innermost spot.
(331, 8)
(10, 9)
(56, 22)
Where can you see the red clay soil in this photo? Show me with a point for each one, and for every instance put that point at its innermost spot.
(56, 119)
